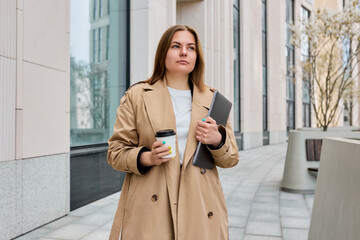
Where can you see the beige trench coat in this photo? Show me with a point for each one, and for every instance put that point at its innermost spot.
(165, 203)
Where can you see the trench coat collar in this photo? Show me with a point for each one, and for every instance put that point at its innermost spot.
(158, 106)
(160, 110)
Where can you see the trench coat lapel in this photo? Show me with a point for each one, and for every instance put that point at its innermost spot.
(199, 110)
(158, 106)
(160, 111)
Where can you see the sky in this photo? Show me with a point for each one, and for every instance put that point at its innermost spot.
(79, 29)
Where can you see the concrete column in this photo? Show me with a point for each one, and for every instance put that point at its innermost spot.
(34, 139)
(251, 73)
(276, 64)
(213, 22)
(149, 20)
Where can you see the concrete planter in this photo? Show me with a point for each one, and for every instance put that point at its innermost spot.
(336, 208)
(296, 176)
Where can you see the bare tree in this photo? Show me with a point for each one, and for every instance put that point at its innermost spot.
(332, 40)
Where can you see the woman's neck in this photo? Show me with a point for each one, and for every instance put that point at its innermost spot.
(179, 82)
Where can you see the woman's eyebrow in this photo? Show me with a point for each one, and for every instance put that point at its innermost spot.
(180, 43)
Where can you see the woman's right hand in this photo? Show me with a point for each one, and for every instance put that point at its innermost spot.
(154, 157)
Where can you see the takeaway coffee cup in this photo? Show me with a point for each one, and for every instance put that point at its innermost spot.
(169, 137)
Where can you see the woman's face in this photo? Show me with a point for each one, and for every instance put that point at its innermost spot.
(181, 56)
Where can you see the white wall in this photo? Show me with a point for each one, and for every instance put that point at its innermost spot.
(34, 110)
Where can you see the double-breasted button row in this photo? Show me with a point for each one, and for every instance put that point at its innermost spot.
(154, 198)
(202, 171)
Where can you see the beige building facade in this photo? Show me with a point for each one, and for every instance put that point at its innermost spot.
(34, 125)
(247, 57)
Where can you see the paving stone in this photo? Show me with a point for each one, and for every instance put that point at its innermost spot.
(237, 221)
(294, 212)
(295, 234)
(108, 225)
(34, 234)
(43, 238)
(109, 208)
(71, 232)
(97, 235)
(263, 228)
(61, 222)
(96, 219)
(85, 210)
(292, 222)
(264, 216)
(236, 233)
(286, 195)
(266, 199)
(259, 237)
(243, 195)
(265, 207)
(246, 189)
(268, 193)
(293, 203)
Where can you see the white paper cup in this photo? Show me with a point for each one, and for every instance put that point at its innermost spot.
(169, 137)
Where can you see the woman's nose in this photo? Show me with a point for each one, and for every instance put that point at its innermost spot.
(183, 51)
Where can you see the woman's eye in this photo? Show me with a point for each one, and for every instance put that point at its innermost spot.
(191, 48)
(176, 46)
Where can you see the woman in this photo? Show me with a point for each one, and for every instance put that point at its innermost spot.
(170, 198)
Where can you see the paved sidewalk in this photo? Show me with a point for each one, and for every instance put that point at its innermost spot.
(257, 209)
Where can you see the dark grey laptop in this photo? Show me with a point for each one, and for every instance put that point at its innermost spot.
(219, 110)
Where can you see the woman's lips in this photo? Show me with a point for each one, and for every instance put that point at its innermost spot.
(182, 62)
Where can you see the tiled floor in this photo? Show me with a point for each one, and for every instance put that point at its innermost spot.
(257, 209)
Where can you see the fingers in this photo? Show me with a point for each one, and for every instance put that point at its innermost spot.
(210, 120)
(207, 131)
(157, 144)
(162, 160)
(158, 151)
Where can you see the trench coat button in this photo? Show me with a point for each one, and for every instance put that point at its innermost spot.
(210, 215)
(154, 198)
(202, 171)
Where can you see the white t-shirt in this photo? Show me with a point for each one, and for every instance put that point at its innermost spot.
(181, 101)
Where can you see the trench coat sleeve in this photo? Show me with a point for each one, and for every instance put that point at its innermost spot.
(123, 144)
(228, 154)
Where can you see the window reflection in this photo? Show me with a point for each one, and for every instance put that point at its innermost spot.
(290, 76)
(98, 80)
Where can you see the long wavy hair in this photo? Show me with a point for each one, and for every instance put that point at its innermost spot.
(196, 76)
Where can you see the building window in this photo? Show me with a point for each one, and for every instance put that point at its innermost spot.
(290, 76)
(96, 85)
(95, 9)
(348, 97)
(94, 44)
(107, 42)
(100, 45)
(100, 8)
(236, 51)
(304, 48)
(264, 75)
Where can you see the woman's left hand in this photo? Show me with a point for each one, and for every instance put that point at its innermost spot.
(207, 132)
